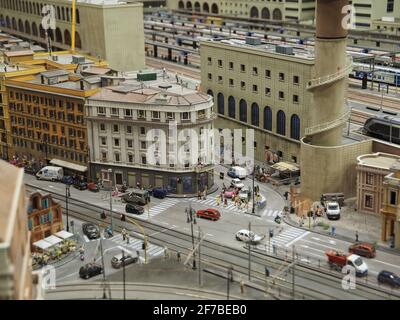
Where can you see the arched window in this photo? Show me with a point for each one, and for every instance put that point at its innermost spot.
(34, 29)
(277, 14)
(197, 6)
(253, 12)
(59, 35)
(267, 118)
(14, 24)
(67, 10)
(78, 41)
(206, 8)
(77, 17)
(58, 13)
(243, 110)
(255, 115)
(295, 127)
(42, 32)
(30, 8)
(214, 8)
(231, 107)
(265, 14)
(20, 25)
(63, 13)
(221, 103)
(27, 27)
(189, 6)
(2, 21)
(8, 23)
(67, 38)
(281, 123)
(181, 5)
(209, 92)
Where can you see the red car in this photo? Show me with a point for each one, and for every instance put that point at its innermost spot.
(363, 249)
(211, 214)
(93, 187)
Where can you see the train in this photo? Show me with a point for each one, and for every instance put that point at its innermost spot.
(381, 74)
(385, 128)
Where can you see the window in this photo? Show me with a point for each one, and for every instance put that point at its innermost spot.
(104, 156)
(128, 129)
(221, 103)
(230, 65)
(268, 91)
(295, 127)
(116, 142)
(142, 130)
(220, 63)
(369, 179)
(390, 5)
(231, 107)
(369, 201)
(296, 80)
(155, 115)
(101, 111)
(255, 114)
(219, 79)
(281, 95)
(281, 76)
(242, 68)
(281, 123)
(129, 143)
(170, 116)
(130, 157)
(102, 127)
(142, 144)
(255, 71)
(128, 113)
(143, 159)
(115, 128)
(209, 60)
(185, 116)
(255, 88)
(142, 114)
(243, 110)
(295, 98)
(117, 157)
(209, 76)
(103, 141)
(268, 74)
(242, 85)
(231, 82)
(393, 197)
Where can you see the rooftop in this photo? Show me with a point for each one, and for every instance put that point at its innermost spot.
(378, 160)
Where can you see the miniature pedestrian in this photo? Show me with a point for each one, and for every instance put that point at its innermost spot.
(274, 248)
(127, 239)
(225, 201)
(286, 194)
(205, 193)
(356, 236)
(178, 256)
(199, 195)
(123, 232)
(241, 286)
(333, 231)
(218, 200)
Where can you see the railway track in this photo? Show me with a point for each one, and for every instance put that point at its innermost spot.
(221, 257)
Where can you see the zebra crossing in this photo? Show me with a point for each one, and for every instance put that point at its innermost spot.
(136, 244)
(157, 209)
(284, 239)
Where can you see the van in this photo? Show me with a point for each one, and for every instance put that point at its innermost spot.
(237, 172)
(336, 197)
(50, 173)
(332, 210)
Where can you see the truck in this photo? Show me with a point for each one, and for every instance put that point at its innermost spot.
(237, 172)
(50, 173)
(337, 260)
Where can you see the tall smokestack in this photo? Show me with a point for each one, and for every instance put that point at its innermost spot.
(332, 67)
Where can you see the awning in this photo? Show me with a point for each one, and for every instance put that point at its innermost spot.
(68, 165)
(53, 240)
(285, 166)
(64, 234)
(42, 244)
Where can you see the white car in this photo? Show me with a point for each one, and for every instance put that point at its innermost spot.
(237, 183)
(248, 236)
(245, 194)
(333, 210)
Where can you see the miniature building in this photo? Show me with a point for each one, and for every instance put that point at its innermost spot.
(371, 171)
(44, 216)
(391, 206)
(15, 253)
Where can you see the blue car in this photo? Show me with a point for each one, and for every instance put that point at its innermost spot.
(160, 193)
(67, 180)
(387, 277)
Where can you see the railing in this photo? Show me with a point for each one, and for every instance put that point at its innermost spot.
(328, 125)
(312, 84)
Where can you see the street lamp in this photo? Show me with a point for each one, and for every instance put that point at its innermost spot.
(111, 210)
(229, 279)
(190, 218)
(67, 195)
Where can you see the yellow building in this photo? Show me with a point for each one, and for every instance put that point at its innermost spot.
(15, 254)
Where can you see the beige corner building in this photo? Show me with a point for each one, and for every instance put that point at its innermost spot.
(110, 30)
(15, 255)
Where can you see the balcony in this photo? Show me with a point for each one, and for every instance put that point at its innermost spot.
(322, 127)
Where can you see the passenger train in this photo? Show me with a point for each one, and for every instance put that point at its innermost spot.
(382, 74)
(383, 127)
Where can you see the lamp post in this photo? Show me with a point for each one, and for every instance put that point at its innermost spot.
(192, 220)
(111, 210)
(229, 279)
(104, 271)
(123, 272)
(67, 195)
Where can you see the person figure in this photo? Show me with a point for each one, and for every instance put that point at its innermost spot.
(199, 195)
(123, 232)
(205, 193)
(225, 201)
(356, 236)
(166, 254)
(286, 195)
(178, 256)
(241, 286)
(314, 218)
(218, 200)
(333, 230)
(127, 239)
(274, 248)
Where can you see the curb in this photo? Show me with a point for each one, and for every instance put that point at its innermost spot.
(338, 236)
(213, 189)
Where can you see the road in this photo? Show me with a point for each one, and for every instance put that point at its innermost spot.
(168, 226)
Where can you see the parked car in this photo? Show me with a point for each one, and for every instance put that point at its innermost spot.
(29, 170)
(67, 180)
(244, 194)
(90, 270)
(237, 172)
(120, 260)
(229, 192)
(80, 184)
(237, 183)
(248, 236)
(132, 198)
(133, 208)
(333, 210)
(160, 193)
(92, 186)
(91, 230)
(389, 278)
(363, 249)
(210, 214)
